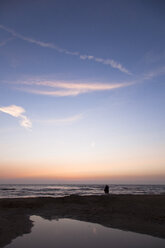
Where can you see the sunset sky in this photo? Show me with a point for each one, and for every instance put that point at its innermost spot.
(82, 91)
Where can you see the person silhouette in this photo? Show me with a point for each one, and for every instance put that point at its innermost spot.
(106, 189)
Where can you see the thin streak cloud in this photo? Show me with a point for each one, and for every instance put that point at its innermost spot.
(77, 86)
(154, 73)
(59, 93)
(17, 111)
(109, 62)
(62, 121)
(68, 88)
(3, 43)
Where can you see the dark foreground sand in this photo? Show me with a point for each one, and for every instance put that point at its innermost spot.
(138, 213)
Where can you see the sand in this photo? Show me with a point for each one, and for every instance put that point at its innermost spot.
(138, 213)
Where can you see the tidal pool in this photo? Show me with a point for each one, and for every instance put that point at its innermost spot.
(68, 233)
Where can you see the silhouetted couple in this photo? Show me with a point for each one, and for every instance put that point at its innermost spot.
(106, 189)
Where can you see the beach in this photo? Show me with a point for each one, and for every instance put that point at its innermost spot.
(137, 213)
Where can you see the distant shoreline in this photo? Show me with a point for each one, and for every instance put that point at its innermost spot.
(138, 213)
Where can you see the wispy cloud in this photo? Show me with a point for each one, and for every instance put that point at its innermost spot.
(109, 62)
(3, 43)
(69, 88)
(62, 121)
(154, 73)
(152, 56)
(74, 88)
(17, 111)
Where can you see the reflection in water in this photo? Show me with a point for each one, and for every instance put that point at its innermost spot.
(67, 233)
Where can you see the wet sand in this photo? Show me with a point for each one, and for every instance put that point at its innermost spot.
(138, 213)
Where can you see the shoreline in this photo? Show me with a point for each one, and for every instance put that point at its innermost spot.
(143, 214)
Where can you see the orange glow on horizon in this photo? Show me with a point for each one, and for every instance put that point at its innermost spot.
(42, 171)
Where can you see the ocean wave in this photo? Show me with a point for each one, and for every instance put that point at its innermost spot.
(57, 190)
(40, 190)
(7, 189)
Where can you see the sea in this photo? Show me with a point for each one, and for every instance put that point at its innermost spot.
(60, 190)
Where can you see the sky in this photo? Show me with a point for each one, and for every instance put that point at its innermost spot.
(82, 91)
